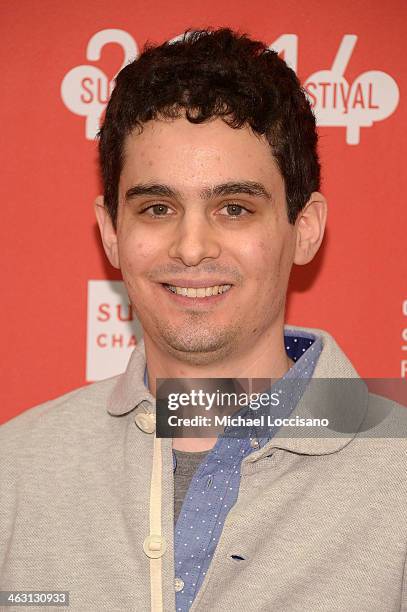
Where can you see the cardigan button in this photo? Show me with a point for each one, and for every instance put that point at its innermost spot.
(145, 422)
(144, 419)
(154, 546)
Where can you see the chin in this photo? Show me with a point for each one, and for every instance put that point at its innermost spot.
(200, 348)
(198, 358)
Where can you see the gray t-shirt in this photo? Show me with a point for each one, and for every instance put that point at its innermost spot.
(187, 464)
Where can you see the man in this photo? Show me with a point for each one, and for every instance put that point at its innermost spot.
(211, 194)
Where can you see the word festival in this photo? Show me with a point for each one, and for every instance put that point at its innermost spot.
(372, 96)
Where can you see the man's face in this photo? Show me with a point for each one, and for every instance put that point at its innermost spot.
(203, 207)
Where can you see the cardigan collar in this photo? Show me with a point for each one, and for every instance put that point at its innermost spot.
(335, 392)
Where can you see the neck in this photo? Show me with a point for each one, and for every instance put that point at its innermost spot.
(266, 358)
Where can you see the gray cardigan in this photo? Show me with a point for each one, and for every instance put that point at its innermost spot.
(321, 522)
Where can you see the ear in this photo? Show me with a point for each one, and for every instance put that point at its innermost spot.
(107, 232)
(310, 226)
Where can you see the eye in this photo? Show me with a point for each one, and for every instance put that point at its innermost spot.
(157, 210)
(234, 210)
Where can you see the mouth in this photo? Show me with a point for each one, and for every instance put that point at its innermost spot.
(205, 293)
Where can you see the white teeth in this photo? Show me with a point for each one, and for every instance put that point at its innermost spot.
(199, 292)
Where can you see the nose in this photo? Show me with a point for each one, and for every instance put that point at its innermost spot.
(195, 240)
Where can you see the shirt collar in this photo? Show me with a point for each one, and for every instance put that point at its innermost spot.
(304, 349)
(130, 391)
(338, 392)
(131, 388)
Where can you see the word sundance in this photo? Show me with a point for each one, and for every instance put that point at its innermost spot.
(373, 96)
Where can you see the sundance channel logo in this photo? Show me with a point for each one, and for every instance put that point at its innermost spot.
(371, 97)
(112, 329)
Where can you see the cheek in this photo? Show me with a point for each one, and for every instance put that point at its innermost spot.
(266, 268)
(137, 254)
(260, 258)
(271, 269)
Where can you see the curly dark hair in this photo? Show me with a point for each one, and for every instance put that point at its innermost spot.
(215, 73)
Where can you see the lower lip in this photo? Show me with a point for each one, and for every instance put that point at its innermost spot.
(182, 299)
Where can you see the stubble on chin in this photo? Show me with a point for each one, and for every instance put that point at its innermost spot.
(196, 343)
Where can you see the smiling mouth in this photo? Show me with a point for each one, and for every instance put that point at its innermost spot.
(197, 292)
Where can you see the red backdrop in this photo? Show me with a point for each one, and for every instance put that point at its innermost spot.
(356, 287)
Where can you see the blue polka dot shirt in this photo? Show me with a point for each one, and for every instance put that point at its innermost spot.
(215, 485)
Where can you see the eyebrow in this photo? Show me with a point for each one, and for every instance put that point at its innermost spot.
(252, 188)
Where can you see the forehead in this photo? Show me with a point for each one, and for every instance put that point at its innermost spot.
(189, 156)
